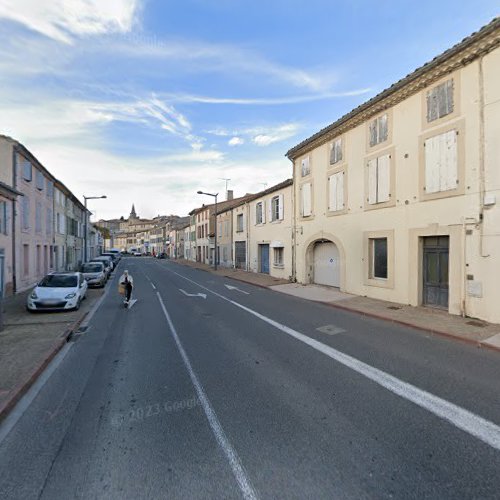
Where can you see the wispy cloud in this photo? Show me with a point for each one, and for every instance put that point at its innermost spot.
(62, 20)
(264, 101)
(260, 136)
(222, 58)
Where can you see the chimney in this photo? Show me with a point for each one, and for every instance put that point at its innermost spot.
(229, 194)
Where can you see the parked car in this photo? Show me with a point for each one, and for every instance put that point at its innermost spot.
(113, 256)
(58, 291)
(108, 262)
(137, 254)
(116, 251)
(94, 273)
(162, 255)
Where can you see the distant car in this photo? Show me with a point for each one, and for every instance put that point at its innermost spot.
(58, 291)
(113, 256)
(108, 262)
(94, 273)
(137, 254)
(162, 255)
(116, 252)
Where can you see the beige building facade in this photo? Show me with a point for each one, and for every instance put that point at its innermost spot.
(269, 244)
(399, 199)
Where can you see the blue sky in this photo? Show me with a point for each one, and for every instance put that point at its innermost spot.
(148, 101)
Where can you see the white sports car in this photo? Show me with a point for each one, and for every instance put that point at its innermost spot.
(58, 291)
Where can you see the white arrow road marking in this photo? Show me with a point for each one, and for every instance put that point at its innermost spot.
(193, 294)
(230, 287)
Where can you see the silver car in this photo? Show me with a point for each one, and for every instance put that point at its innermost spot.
(94, 273)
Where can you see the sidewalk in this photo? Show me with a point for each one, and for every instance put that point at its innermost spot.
(472, 331)
(30, 341)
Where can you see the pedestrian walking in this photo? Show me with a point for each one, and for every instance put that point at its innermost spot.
(126, 286)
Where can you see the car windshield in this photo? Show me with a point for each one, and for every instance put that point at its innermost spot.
(59, 281)
(91, 268)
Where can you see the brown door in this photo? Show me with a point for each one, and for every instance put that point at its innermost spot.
(435, 275)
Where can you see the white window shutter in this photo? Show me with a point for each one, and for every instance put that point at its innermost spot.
(340, 191)
(432, 164)
(372, 181)
(332, 186)
(263, 212)
(449, 166)
(306, 199)
(384, 178)
(270, 210)
(280, 208)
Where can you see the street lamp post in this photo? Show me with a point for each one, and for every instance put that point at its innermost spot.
(87, 223)
(215, 226)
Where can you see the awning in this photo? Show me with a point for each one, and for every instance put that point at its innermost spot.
(276, 244)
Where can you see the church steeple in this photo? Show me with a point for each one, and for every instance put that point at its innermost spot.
(133, 215)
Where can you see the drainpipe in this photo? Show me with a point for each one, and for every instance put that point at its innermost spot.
(294, 227)
(482, 183)
(247, 223)
(14, 256)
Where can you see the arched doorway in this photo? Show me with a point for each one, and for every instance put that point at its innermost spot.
(326, 264)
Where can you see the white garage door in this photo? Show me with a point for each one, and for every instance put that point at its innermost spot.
(326, 264)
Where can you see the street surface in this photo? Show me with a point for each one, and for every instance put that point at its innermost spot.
(211, 388)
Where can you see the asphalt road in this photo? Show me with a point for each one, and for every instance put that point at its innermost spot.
(205, 391)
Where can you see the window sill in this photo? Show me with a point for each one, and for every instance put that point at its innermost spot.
(278, 266)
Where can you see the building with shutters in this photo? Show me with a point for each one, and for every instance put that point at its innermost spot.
(30, 218)
(398, 199)
(270, 231)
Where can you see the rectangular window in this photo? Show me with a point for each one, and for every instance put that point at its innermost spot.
(48, 227)
(26, 213)
(27, 170)
(26, 260)
(441, 163)
(278, 256)
(336, 151)
(38, 217)
(379, 179)
(40, 180)
(440, 101)
(378, 258)
(379, 130)
(239, 223)
(306, 199)
(38, 259)
(3, 217)
(50, 189)
(336, 189)
(277, 207)
(259, 213)
(305, 165)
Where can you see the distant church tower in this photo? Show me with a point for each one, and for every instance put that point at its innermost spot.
(133, 215)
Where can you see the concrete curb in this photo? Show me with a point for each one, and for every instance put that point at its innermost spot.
(433, 331)
(21, 389)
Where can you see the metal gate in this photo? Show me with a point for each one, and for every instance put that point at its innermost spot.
(264, 258)
(240, 254)
(326, 264)
(435, 271)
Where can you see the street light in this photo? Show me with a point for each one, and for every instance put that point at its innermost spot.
(86, 221)
(215, 226)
